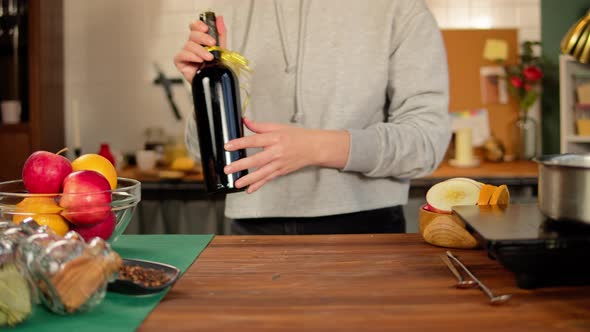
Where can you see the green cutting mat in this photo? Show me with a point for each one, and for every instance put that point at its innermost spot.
(124, 312)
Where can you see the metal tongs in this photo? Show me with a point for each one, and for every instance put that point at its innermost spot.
(462, 283)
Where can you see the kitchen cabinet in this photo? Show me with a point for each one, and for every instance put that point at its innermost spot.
(44, 129)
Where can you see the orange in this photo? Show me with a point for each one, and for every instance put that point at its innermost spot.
(485, 193)
(501, 196)
(45, 212)
(97, 163)
(53, 221)
(36, 205)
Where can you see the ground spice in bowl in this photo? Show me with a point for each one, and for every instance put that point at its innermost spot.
(147, 277)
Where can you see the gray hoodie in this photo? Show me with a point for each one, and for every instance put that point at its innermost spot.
(376, 68)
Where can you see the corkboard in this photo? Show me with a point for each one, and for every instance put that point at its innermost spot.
(465, 58)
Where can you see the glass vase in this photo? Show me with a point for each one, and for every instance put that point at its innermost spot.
(525, 137)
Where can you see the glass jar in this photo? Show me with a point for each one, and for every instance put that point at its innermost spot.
(156, 141)
(65, 274)
(16, 299)
(175, 149)
(72, 276)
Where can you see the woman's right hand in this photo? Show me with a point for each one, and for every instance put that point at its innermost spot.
(191, 57)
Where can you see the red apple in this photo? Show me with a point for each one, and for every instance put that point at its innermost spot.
(86, 198)
(44, 172)
(103, 229)
(429, 208)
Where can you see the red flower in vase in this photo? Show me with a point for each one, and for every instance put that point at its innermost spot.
(532, 73)
(516, 81)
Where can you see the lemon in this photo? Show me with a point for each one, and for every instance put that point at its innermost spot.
(183, 164)
(53, 221)
(44, 210)
(45, 205)
(97, 163)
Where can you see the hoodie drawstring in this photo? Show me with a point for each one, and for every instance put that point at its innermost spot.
(248, 25)
(289, 63)
(299, 112)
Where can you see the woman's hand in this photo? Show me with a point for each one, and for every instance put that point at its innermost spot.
(285, 150)
(191, 57)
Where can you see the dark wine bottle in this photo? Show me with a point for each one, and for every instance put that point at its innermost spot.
(216, 95)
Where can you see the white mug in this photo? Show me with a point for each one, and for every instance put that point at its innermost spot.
(146, 159)
(10, 111)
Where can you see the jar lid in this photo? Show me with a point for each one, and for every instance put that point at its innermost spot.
(6, 252)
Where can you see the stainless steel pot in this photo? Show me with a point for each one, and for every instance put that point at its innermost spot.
(564, 186)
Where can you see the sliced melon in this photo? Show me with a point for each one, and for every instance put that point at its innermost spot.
(485, 193)
(444, 195)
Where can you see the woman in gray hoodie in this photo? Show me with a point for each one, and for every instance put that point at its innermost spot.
(349, 101)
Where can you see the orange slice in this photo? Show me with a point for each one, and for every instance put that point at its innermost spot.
(485, 194)
(501, 196)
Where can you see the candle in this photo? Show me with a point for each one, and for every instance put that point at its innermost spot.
(76, 123)
(463, 147)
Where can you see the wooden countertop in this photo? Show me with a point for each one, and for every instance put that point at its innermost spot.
(513, 169)
(503, 170)
(160, 175)
(382, 282)
(514, 173)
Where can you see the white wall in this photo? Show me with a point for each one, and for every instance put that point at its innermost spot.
(524, 15)
(111, 45)
(110, 48)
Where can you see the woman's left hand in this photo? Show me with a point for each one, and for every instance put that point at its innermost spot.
(285, 150)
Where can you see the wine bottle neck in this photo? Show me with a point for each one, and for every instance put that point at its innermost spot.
(216, 54)
(211, 21)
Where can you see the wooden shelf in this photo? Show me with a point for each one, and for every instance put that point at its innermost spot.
(578, 139)
(513, 169)
(156, 175)
(45, 127)
(569, 71)
(582, 74)
(14, 128)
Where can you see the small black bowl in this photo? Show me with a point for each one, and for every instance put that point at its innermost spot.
(132, 288)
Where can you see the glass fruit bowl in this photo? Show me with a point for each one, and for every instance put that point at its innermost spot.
(103, 214)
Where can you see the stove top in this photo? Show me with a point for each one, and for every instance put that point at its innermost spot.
(541, 252)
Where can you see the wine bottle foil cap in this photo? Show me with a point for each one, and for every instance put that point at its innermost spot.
(207, 16)
(210, 20)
